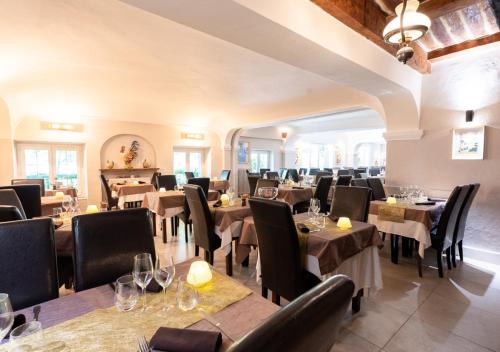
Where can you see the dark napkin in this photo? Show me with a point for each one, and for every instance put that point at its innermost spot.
(429, 202)
(19, 319)
(153, 287)
(142, 182)
(297, 187)
(302, 227)
(217, 204)
(121, 183)
(185, 340)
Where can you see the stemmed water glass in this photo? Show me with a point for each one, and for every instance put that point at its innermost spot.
(6, 315)
(66, 204)
(143, 273)
(164, 275)
(314, 208)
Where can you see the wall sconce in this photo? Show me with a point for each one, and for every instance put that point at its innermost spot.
(469, 115)
(284, 136)
(190, 135)
(57, 126)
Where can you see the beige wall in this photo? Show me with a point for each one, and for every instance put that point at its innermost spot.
(6, 159)
(97, 132)
(456, 85)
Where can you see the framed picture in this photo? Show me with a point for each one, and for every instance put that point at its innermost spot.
(468, 143)
(242, 152)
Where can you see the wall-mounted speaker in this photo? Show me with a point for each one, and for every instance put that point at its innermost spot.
(469, 115)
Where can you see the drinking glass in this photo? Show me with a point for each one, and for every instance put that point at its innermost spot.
(187, 296)
(164, 275)
(268, 192)
(143, 273)
(33, 328)
(125, 293)
(56, 212)
(66, 203)
(321, 221)
(6, 315)
(313, 209)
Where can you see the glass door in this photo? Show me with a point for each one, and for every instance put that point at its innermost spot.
(188, 160)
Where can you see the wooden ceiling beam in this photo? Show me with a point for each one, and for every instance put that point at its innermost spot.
(463, 46)
(437, 8)
(366, 18)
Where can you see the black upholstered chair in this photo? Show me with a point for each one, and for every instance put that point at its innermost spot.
(167, 181)
(360, 182)
(343, 180)
(28, 268)
(189, 175)
(313, 171)
(263, 172)
(105, 245)
(9, 213)
(351, 202)
(204, 183)
(321, 193)
(343, 172)
(252, 183)
(224, 175)
(31, 181)
(154, 180)
(328, 169)
(320, 174)
(377, 187)
(204, 228)
(262, 182)
(458, 236)
(29, 196)
(374, 171)
(302, 171)
(111, 202)
(293, 174)
(9, 197)
(322, 309)
(442, 235)
(272, 175)
(282, 172)
(282, 269)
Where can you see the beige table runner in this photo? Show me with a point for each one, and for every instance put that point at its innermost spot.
(425, 214)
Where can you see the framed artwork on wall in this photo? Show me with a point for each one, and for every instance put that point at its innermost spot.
(468, 143)
(242, 152)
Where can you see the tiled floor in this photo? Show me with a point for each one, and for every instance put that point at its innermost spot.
(460, 312)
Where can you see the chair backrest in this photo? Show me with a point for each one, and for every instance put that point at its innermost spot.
(167, 181)
(282, 173)
(105, 245)
(9, 197)
(224, 175)
(313, 171)
(377, 187)
(154, 180)
(28, 266)
(31, 181)
(358, 173)
(322, 190)
(302, 171)
(203, 182)
(448, 220)
(328, 169)
(29, 196)
(262, 182)
(321, 309)
(189, 175)
(343, 180)
(343, 172)
(203, 224)
(252, 183)
(263, 172)
(464, 213)
(320, 174)
(105, 188)
(272, 175)
(10, 213)
(293, 174)
(278, 247)
(360, 182)
(352, 202)
(374, 171)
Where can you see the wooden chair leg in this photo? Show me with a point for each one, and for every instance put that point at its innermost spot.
(448, 257)
(186, 232)
(196, 251)
(383, 236)
(229, 263)
(164, 230)
(356, 301)
(439, 258)
(172, 226)
(275, 298)
(245, 262)
(461, 251)
(207, 256)
(153, 220)
(211, 258)
(264, 292)
(394, 248)
(419, 264)
(454, 255)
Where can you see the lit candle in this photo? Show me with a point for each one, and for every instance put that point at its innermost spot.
(215, 179)
(391, 200)
(224, 200)
(199, 274)
(91, 209)
(344, 223)
(136, 182)
(60, 195)
(162, 189)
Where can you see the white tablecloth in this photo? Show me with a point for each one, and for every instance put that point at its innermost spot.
(234, 230)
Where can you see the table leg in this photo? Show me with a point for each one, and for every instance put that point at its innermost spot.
(419, 264)
(153, 219)
(164, 228)
(356, 301)
(245, 262)
(229, 263)
(394, 248)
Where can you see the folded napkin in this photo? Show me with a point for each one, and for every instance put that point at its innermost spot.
(429, 202)
(19, 319)
(296, 187)
(142, 182)
(153, 287)
(121, 183)
(217, 204)
(302, 227)
(185, 340)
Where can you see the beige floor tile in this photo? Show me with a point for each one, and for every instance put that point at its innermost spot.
(376, 323)
(349, 342)
(463, 319)
(418, 336)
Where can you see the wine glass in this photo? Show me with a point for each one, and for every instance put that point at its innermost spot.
(125, 293)
(143, 273)
(313, 209)
(6, 315)
(66, 203)
(268, 192)
(164, 275)
(187, 296)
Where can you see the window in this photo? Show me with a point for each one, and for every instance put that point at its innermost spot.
(188, 160)
(260, 159)
(57, 164)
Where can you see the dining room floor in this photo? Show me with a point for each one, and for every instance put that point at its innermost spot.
(460, 312)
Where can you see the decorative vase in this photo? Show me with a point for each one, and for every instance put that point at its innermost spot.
(146, 164)
(110, 164)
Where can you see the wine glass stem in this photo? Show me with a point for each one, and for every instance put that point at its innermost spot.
(144, 301)
(165, 297)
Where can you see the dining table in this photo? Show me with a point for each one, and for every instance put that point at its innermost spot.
(219, 185)
(89, 321)
(49, 203)
(69, 191)
(330, 250)
(294, 195)
(131, 193)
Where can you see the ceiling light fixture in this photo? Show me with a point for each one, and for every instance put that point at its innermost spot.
(408, 26)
